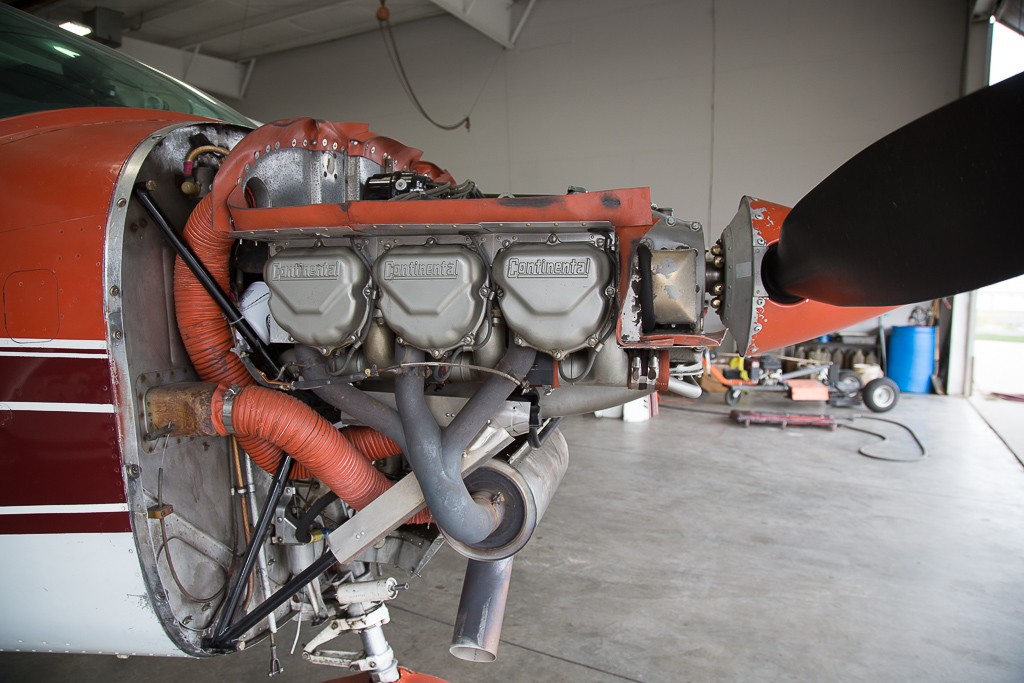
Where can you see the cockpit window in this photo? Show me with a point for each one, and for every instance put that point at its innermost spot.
(43, 67)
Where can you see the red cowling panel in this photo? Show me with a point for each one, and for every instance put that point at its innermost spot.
(87, 523)
(58, 170)
(785, 324)
(59, 458)
(54, 379)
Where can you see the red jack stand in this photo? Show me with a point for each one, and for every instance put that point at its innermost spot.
(749, 417)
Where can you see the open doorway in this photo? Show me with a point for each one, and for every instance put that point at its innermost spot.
(999, 327)
(997, 340)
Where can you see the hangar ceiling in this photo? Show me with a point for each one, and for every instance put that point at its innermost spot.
(240, 30)
(214, 44)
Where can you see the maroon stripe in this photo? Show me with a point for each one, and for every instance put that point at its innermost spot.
(85, 523)
(59, 458)
(55, 380)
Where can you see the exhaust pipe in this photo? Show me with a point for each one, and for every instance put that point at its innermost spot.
(481, 610)
(520, 490)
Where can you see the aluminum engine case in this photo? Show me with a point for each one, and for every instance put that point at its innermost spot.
(555, 298)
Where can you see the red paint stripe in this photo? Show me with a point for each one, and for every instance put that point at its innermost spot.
(55, 380)
(85, 523)
(59, 459)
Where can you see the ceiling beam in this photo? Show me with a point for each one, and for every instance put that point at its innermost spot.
(219, 76)
(493, 18)
(259, 21)
(136, 21)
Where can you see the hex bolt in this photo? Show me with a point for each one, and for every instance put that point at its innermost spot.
(718, 262)
(716, 249)
(718, 288)
(696, 227)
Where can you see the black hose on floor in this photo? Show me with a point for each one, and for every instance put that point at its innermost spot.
(861, 451)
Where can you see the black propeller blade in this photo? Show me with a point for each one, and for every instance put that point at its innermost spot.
(935, 208)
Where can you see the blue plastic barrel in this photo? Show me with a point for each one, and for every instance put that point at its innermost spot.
(912, 358)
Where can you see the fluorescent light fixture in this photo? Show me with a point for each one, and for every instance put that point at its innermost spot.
(76, 28)
(66, 52)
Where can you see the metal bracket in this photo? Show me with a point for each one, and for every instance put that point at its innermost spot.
(360, 661)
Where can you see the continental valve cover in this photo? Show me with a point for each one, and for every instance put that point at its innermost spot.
(319, 295)
(433, 297)
(553, 296)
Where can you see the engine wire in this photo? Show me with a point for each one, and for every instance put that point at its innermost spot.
(166, 550)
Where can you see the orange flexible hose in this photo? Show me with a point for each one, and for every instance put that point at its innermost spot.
(204, 331)
(372, 444)
(294, 427)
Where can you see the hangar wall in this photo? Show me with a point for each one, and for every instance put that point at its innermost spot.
(703, 101)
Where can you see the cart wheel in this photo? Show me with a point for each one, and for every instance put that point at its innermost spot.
(848, 383)
(732, 397)
(881, 395)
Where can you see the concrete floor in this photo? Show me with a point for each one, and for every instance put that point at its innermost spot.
(689, 548)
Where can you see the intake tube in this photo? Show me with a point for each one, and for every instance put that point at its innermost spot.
(198, 408)
(204, 331)
(481, 610)
(292, 426)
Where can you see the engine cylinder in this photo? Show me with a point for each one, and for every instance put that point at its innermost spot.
(554, 297)
(434, 297)
(319, 295)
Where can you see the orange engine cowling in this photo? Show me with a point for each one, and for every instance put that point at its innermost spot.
(757, 322)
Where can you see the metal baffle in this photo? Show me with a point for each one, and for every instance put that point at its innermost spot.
(481, 610)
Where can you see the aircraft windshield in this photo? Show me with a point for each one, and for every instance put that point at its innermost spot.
(43, 67)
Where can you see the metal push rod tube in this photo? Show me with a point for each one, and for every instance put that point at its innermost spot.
(283, 594)
(254, 550)
(481, 610)
(231, 311)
